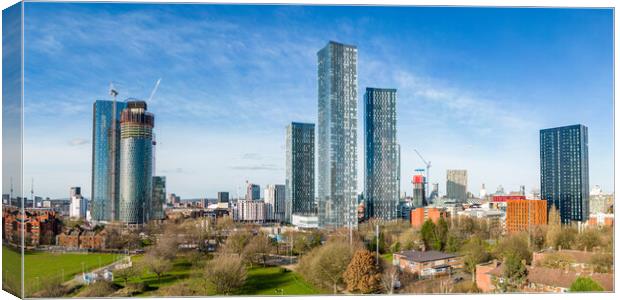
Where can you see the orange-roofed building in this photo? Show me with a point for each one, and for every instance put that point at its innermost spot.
(521, 214)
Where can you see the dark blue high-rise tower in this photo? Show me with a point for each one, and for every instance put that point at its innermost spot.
(564, 177)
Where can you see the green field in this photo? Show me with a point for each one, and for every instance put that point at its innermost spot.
(265, 281)
(260, 281)
(41, 267)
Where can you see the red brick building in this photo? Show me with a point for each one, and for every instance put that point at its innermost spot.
(37, 226)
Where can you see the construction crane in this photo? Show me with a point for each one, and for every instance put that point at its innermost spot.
(428, 167)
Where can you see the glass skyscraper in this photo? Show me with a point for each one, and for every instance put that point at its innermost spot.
(158, 199)
(136, 163)
(299, 170)
(381, 168)
(337, 135)
(105, 160)
(564, 177)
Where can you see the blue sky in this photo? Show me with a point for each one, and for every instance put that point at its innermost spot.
(475, 85)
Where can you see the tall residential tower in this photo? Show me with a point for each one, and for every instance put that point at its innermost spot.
(382, 164)
(337, 135)
(564, 177)
(136, 163)
(299, 170)
(106, 160)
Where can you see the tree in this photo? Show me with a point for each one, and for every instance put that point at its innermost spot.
(515, 243)
(395, 247)
(167, 246)
(408, 238)
(427, 231)
(236, 242)
(156, 265)
(585, 284)
(474, 252)
(453, 244)
(125, 274)
(514, 272)
(557, 260)
(226, 273)
(602, 262)
(588, 239)
(441, 234)
(324, 266)
(389, 277)
(258, 249)
(362, 274)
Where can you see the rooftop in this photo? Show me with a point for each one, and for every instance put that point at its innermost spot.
(424, 256)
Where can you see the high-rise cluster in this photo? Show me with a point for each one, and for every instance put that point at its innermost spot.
(123, 185)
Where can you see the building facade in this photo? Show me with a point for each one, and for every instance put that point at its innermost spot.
(252, 192)
(337, 135)
(274, 202)
(250, 211)
(136, 181)
(564, 175)
(419, 193)
(106, 160)
(521, 215)
(158, 198)
(300, 182)
(456, 185)
(223, 197)
(381, 168)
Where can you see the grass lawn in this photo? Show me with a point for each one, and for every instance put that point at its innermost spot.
(265, 281)
(387, 257)
(51, 266)
(260, 281)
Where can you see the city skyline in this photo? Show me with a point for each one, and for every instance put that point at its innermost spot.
(486, 136)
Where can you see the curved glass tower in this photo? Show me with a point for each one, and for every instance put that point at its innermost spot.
(136, 163)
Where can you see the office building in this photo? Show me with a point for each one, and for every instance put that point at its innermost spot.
(337, 135)
(223, 197)
(564, 177)
(252, 191)
(522, 215)
(136, 181)
(299, 170)
(158, 199)
(105, 160)
(456, 185)
(381, 186)
(275, 204)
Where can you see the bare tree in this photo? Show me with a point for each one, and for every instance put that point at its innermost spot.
(157, 265)
(226, 273)
(389, 277)
(258, 248)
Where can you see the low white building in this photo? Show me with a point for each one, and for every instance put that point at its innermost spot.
(305, 221)
(250, 211)
(78, 207)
